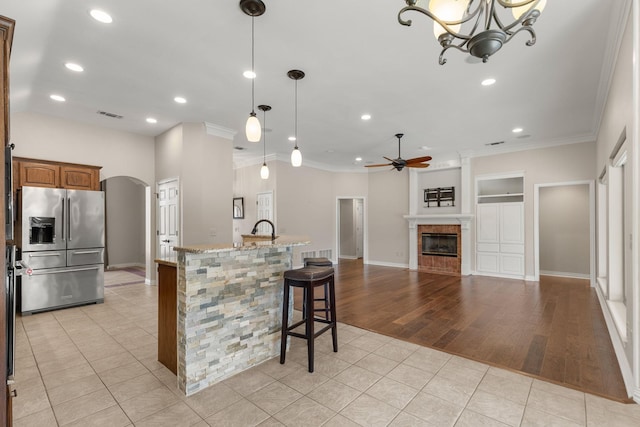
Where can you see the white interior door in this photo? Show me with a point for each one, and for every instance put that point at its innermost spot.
(168, 217)
(264, 210)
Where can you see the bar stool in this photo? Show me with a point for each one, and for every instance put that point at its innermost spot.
(308, 278)
(318, 262)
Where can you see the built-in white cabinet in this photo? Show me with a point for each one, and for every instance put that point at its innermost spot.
(500, 227)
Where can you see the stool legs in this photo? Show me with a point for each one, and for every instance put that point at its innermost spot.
(285, 323)
(332, 312)
(309, 325)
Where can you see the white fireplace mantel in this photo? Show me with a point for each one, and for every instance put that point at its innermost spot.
(464, 220)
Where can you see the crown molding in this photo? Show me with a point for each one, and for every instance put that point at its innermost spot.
(221, 131)
(533, 145)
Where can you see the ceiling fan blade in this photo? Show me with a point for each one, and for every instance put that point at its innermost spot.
(419, 159)
(375, 166)
(417, 165)
(391, 160)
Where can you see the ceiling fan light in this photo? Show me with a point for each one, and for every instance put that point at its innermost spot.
(521, 10)
(253, 129)
(296, 158)
(264, 171)
(447, 10)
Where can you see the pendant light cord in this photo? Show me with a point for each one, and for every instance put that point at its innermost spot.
(253, 67)
(295, 128)
(264, 137)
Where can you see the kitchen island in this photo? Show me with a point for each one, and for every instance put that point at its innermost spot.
(229, 302)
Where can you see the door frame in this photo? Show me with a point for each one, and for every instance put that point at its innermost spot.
(157, 206)
(365, 235)
(592, 226)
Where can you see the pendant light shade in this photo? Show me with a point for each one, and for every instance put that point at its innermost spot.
(253, 8)
(253, 128)
(264, 170)
(296, 155)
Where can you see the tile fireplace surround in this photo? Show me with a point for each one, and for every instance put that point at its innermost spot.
(463, 220)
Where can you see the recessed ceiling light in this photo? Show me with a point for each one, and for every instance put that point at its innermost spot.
(488, 82)
(74, 67)
(249, 74)
(101, 16)
(292, 138)
(57, 98)
(366, 117)
(425, 148)
(517, 130)
(180, 100)
(358, 159)
(151, 120)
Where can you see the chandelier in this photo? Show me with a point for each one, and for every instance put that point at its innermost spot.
(486, 31)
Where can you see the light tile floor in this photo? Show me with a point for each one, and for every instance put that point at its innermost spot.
(96, 366)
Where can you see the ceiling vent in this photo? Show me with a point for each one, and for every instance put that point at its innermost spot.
(112, 115)
(237, 147)
(495, 143)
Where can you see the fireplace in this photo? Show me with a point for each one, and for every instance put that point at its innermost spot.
(439, 248)
(440, 244)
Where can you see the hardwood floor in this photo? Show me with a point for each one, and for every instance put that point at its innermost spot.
(552, 330)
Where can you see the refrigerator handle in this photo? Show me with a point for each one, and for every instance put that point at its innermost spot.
(69, 217)
(63, 220)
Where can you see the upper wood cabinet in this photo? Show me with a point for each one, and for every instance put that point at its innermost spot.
(43, 173)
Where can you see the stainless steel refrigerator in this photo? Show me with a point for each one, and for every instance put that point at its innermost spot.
(61, 236)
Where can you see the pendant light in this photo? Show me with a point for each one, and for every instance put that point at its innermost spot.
(253, 129)
(264, 170)
(296, 155)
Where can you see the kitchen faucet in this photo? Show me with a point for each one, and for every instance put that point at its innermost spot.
(273, 228)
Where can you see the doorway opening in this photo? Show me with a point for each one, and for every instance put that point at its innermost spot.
(350, 227)
(564, 230)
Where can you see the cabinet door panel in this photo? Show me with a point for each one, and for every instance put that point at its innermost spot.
(79, 178)
(512, 249)
(488, 262)
(512, 264)
(512, 223)
(488, 223)
(39, 175)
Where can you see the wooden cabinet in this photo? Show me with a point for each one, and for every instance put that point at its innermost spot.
(168, 315)
(43, 173)
(500, 225)
(6, 391)
(500, 239)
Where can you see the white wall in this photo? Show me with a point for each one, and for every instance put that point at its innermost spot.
(564, 230)
(125, 219)
(542, 166)
(247, 183)
(620, 113)
(49, 138)
(388, 230)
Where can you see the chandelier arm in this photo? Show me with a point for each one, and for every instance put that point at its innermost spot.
(509, 4)
(442, 60)
(532, 13)
(443, 24)
(531, 32)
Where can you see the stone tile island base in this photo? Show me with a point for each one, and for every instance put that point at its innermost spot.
(229, 309)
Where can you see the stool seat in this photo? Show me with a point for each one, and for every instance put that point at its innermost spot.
(307, 274)
(319, 262)
(308, 278)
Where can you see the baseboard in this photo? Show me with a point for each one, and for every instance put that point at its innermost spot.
(125, 265)
(387, 264)
(565, 274)
(502, 276)
(618, 347)
(348, 257)
(149, 282)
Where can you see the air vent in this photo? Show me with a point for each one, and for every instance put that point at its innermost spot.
(495, 143)
(112, 115)
(523, 136)
(237, 147)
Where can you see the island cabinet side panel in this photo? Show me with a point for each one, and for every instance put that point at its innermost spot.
(229, 312)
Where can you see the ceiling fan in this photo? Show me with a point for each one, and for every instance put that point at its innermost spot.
(401, 163)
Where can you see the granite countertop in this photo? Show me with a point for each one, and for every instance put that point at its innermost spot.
(281, 241)
(171, 261)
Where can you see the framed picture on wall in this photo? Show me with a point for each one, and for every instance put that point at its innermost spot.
(238, 208)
